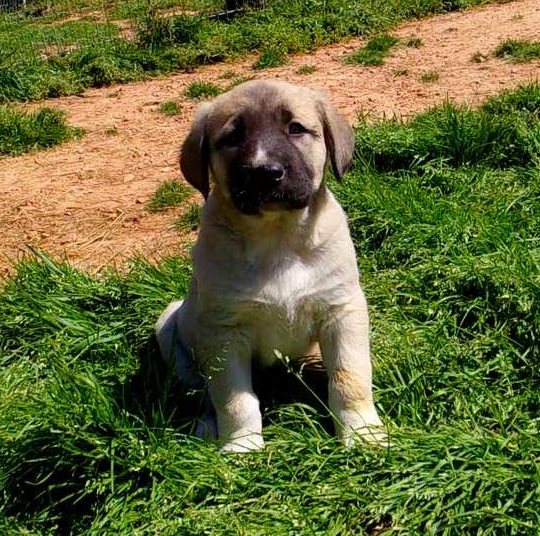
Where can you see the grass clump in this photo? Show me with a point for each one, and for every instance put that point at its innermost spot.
(501, 134)
(375, 50)
(170, 108)
(22, 131)
(306, 69)
(429, 77)
(400, 72)
(445, 218)
(202, 90)
(413, 42)
(229, 75)
(519, 51)
(523, 101)
(271, 57)
(190, 219)
(479, 57)
(170, 193)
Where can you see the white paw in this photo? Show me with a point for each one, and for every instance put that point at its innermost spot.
(361, 426)
(374, 435)
(246, 442)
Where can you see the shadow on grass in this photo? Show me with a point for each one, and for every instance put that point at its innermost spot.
(155, 390)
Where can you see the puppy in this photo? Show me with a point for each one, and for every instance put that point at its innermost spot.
(274, 264)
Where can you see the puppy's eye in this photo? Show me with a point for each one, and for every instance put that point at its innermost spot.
(233, 138)
(233, 135)
(295, 128)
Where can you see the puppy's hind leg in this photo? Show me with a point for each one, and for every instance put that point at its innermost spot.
(165, 329)
(172, 350)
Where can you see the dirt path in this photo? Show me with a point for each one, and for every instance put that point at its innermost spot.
(85, 200)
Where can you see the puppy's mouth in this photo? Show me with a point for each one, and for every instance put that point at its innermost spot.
(252, 193)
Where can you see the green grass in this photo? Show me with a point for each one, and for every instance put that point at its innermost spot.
(375, 50)
(190, 219)
(445, 215)
(44, 56)
(271, 57)
(47, 11)
(170, 193)
(413, 42)
(22, 131)
(170, 108)
(429, 77)
(306, 69)
(202, 90)
(503, 134)
(519, 51)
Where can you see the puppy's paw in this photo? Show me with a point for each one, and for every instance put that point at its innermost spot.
(247, 442)
(374, 435)
(354, 427)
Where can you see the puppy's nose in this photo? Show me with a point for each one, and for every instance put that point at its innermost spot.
(270, 173)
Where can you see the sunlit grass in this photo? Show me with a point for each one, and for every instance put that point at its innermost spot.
(45, 53)
(444, 212)
(22, 131)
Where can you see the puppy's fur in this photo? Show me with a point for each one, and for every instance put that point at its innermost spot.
(274, 264)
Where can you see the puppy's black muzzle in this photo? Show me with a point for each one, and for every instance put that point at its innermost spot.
(267, 186)
(267, 176)
(252, 186)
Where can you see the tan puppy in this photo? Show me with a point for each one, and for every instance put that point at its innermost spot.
(274, 264)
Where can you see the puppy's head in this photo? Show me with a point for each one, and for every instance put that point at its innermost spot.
(265, 145)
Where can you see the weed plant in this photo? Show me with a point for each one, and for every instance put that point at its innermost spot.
(22, 131)
(39, 59)
(400, 72)
(519, 51)
(306, 69)
(413, 42)
(429, 76)
(170, 108)
(445, 216)
(170, 193)
(271, 57)
(479, 57)
(375, 50)
(202, 90)
(190, 219)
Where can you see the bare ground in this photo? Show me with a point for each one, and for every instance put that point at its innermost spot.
(85, 200)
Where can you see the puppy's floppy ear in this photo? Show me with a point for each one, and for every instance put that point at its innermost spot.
(195, 154)
(338, 136)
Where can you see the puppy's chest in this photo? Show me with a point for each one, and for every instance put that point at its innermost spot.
(284, 290)
(279, 304)
(288, 288)
(283, 309)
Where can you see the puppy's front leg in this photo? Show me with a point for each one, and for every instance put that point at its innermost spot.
(344, 340)
(237, 409)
